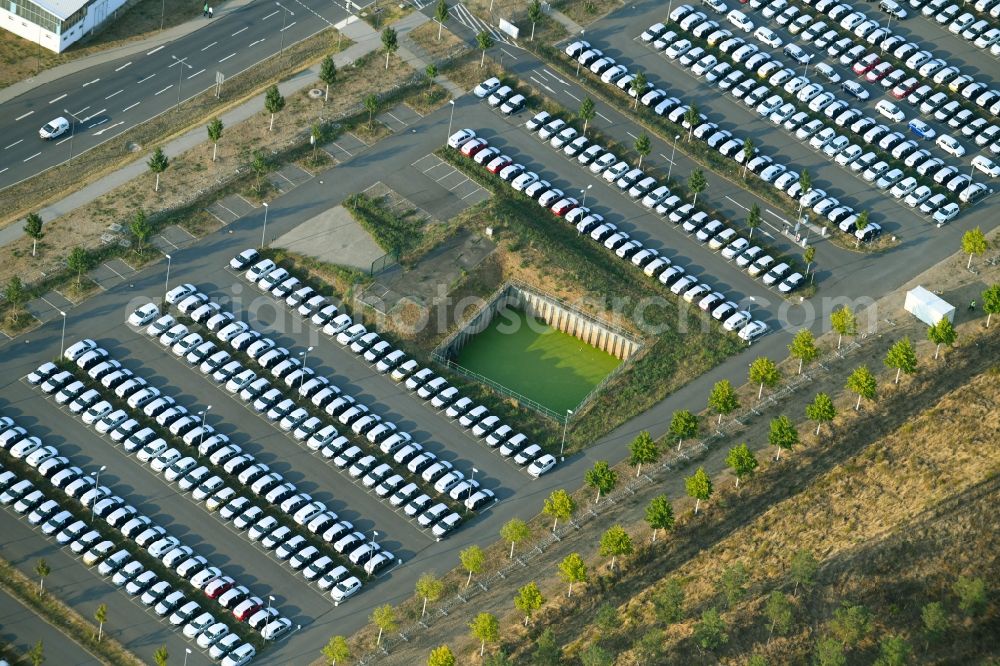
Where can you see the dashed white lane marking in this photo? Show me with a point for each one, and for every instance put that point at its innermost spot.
(196, 73)
(210, 46)
(257, 42)
(123, 66)
(147, 78)
(131, 106)
(239, 31)
(32, 157)
(165, 89)
(115, 93)
(158, 48)
(227, 57)
(24, 115)
(269, 15)
(53, 101)
(13, 144)
(287, 26)
(91, 82)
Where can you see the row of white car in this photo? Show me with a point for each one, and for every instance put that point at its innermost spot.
(120, 564)
(374, 474)
(202, 471)
(833, 145)
(432, 389)
(853, 25)
(645, 259)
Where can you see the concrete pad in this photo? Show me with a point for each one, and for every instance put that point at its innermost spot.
(171, 238)
(294, 174)
(105, 276)
(230, 208)
(333, 236)
(41, 310)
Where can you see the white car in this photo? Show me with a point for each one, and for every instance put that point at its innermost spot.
(54, 128)
(768, 37)
(486, 88)
(541, 465)
(180, 292)
(950, 145)
(143, 315)
(890, 110)
(740, 20)
(460, 137)
(986, 165)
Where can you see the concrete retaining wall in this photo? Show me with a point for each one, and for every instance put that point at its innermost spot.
(553, 312)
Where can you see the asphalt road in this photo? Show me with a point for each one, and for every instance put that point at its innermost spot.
(111, 98)
(21, 628)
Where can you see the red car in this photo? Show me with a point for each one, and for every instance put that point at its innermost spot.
(878, 72)
(905, 88)
(246, 609)
(218, 586)
(866, 63)
(564, 206)
(498, 163)
(470, 148)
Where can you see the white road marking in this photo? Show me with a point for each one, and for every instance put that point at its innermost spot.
(556, 77)
(13, 144)
(32, 157)
(257, 42)
(99, 122)
(210, 46)
(142, 80)
(115, 93)
(604, 116)
(737, 203)
(165, 89)
(131, 106)
(239, 31)
(80, 112)
(1, 171)
(632, 135)
(24, 115)
(196, 73)
(572, 95)
(109, 127)
(59, 143)
(287, 26)
(123, 66)
(91, 82)
(509, 53)
(542, 84)
(269, 15)
(155, 50)
(53, 101)
(227, 57)
(92, 115)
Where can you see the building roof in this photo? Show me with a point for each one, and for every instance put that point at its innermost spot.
(61, 8)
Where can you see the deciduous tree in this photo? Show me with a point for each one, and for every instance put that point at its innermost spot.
(430, 588)
(763, 371)
(742, 461)
(971, 593)
(78, 261)
(902, 357)
(484, 41)
(473, 559)
(893, 651)
(991, 300)
(821, 410)
(601, 477)
(259, 164)
(534, 15)
(733, 583)
(371, 105)
(782, 435)
(16, 296)
(336, 649)
(639, 85)
(803, 347)
(390, 43)
(485, 628)
(101, 616)
(697, 184)
(935, 620)
(851, 624)
(214, 129)
(514, 530)
(441, 15)
(587, 112)
(683, 425)
(691, 117)
(161, 656)
(748, 149)
(779, 611)
(383, 617)
(328, 75)
(158, 163)
(844, 323)
(559, 505)
(753, 218)
(973, 243)
(803, 568)
(699, 487)
(141, 229)
(528, 600)
(805, 182)
(668, 601)
(615, 543)
(723, 399)
(660, 514)
(829, 652)
(863, 383)
(274, 102)
(33, 230)
(643, 147)
(941, 333)
(43, 570)
(710, 632)
(642, 451)
(573, 570)
(441, 656)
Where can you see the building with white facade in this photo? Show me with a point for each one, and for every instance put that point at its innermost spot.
(55, 24)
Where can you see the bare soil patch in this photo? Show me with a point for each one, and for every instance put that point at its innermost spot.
(426, 37)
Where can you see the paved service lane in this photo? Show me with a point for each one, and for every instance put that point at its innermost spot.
(22, 628)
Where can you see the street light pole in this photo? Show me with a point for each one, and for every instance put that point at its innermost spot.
(204, 415)
(97, 484)
(584, 193)
(62, 341)
(270, 598)
(673, 152)
(578, 61)
(72, 130)
(305, 357)
(180, 73)
(263, 232)
(468, 493)
(187, 651)
(166, 286)
(452, 117)
(371, 553)
(562, 447)
(284, 19)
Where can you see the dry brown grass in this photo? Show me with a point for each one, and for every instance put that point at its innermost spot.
(22, 58)
(586, 12)
(426, 37)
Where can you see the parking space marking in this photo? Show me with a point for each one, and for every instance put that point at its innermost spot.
(106, 265)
